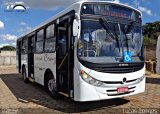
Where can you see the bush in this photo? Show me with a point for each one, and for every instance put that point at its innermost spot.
(149, 41)
(8, 48)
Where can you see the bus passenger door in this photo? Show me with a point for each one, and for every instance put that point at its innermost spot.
(64, 61)
(19, 47)
(31, 56)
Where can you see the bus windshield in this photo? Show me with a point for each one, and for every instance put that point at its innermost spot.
(98, 44)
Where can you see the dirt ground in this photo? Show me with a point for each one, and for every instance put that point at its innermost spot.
(8, 69)
(17, 97)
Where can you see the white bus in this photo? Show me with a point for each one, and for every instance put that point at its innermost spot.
(90, 51)
(158, 56)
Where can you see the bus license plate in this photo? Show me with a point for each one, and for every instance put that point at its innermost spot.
(122, 89)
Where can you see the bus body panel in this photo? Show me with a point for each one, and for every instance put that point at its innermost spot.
(88, 92)
(158, 56)
(93, 93)
(42, 62)
(101, 76)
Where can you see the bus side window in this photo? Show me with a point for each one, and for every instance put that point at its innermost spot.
(50, 40)
(39, 41)
(62, 43)
(24, 45)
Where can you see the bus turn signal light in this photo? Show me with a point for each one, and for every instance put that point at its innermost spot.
(84, 75)
(82, 72)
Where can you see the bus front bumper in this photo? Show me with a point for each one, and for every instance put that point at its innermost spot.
(86, 92)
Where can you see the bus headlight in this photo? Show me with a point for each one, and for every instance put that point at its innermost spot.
(87, 78)
(141, 78)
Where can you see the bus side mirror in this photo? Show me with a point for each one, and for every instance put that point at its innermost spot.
(75, 28)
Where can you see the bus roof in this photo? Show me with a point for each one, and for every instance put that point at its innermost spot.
(76, 6)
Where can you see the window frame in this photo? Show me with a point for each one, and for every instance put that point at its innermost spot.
(38, 41)
(52, 24)
(50, 38)
(26, 49)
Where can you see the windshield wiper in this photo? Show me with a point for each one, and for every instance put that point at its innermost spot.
(126, 39)
(130, 27)
(108, 29)
(126, 31)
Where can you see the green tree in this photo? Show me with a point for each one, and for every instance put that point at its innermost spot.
(8, 48)
(151, 31)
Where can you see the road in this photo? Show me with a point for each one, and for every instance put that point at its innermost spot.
(19, 97)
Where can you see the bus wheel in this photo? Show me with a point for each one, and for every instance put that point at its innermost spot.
(51, 86)
(25, 79)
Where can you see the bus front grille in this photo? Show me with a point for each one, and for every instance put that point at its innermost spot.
(120, 82)
(119, 69)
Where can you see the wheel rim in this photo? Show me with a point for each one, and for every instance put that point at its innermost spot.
(51, 85)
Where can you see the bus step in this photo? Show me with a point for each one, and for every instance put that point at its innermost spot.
(31, 79)
(64, 94)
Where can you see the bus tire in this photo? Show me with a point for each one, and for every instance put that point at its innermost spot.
(51, 86)
(24, 74)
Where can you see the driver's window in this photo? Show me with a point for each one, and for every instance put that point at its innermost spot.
(62, 43)
(105, 45)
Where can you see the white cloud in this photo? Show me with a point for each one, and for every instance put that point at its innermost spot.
(23, 24)
(145, 10)
(1, 25)
(28, 28)
(8, 37)
(1, 45)
(23, 27)
(117, 1)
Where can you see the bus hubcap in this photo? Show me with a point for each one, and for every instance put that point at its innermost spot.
(51, 85)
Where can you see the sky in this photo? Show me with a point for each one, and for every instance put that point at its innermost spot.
(14, 24)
